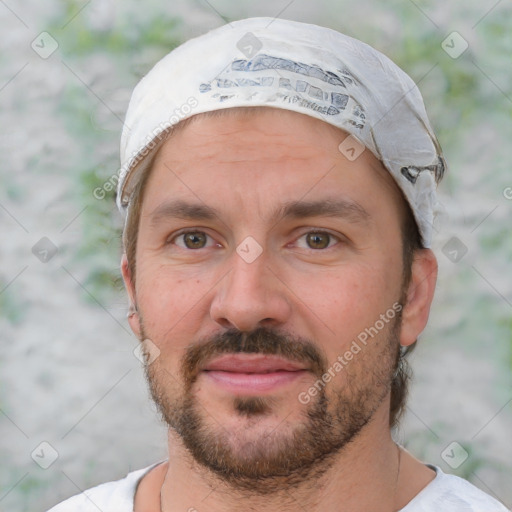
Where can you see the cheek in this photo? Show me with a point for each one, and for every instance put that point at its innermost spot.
(357, 312)
(344, 303)
(171, 304)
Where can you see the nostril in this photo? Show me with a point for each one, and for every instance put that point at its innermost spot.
(224, 322)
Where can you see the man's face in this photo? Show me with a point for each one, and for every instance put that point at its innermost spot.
(252, 307)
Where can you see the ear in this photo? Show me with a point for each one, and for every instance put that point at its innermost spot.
(419, 295)
(133, 319)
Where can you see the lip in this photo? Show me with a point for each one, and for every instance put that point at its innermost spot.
(244, 374)
(252, 363)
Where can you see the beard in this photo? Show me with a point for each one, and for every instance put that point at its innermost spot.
(289, 454)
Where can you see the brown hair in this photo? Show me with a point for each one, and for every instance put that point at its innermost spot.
(411, 242)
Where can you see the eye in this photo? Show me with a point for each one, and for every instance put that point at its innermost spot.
(318, 240)
(191, 239)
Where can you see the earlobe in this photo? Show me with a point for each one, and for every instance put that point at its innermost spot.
(419, 296)
(133, 314)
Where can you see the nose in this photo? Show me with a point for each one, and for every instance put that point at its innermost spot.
(250, 296)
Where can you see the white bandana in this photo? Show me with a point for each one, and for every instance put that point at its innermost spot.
(306, 68)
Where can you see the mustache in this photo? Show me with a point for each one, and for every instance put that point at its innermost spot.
(262, 340)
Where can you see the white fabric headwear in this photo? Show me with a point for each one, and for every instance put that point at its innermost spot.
(302, 67)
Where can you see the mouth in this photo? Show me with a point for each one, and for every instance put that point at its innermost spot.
(243, 374)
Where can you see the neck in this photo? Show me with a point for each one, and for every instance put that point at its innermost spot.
(364, 475)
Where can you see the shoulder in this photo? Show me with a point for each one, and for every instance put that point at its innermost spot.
(111, 496)
(450, 493)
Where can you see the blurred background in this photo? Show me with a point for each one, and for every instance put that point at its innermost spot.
(74, 408)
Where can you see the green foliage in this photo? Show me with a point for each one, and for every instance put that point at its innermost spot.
(474, 463)
(30, 485)
(124, 44)
(10, 305)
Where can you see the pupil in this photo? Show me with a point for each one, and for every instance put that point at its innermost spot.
(318, 241)
(194, 239)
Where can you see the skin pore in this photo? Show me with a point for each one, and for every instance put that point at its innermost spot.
(322, 277)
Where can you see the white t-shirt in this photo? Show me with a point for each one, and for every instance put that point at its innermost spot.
(446, 493)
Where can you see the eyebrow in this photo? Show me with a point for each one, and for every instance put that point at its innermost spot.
(340, 207)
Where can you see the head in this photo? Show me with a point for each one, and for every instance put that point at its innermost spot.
(266, 268)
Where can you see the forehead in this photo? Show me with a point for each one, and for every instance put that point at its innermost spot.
(244, 129)
(250, 155)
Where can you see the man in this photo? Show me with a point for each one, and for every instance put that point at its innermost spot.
(279, 184)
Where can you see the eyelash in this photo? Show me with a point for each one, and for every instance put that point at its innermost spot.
(318, 232)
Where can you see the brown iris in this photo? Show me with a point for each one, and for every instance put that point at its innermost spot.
(318, 240)
(194, 240)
